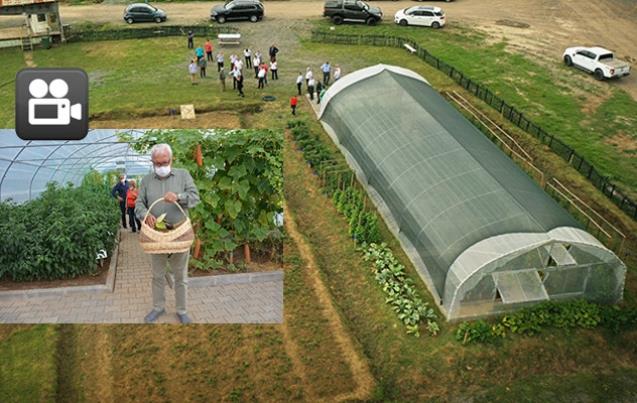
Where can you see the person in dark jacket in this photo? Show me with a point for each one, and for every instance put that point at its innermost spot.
(119, 191)
(273, 51)
(191, 38)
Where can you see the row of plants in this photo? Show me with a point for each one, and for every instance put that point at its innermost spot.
(401, 292)
(239, 175)
(572, 314)
(59, 234)
(338, 183)
(363, 224)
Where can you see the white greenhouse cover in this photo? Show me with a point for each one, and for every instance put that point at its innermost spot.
(27, 166)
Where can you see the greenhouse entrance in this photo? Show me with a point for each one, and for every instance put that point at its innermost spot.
(519, 286)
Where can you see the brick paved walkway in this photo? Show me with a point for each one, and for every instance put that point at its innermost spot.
(243, 299)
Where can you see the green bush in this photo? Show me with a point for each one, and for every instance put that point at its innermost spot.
(572, 314)
(58, 234)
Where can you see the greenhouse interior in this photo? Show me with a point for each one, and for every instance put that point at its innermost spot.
(484, 237)
(27, 166)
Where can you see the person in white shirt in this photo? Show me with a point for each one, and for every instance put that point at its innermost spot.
(325, 68)
(219, 61)
(299, 82)
(261, 76)
(310, 87)
(192, 69)
(255, 63)
(337, 72)
(238, 64)
(308, 75)
(247, 54)
(274, 70)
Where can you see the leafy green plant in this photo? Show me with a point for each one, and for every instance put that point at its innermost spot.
(240, 185)
(572, 314)
(400, 290)
(58, 234)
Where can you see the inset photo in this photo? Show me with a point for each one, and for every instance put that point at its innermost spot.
(133, 226)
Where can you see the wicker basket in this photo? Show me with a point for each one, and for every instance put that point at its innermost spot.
(178, 240)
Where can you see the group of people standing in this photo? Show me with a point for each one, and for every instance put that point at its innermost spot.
(315, 88)
(250, 60)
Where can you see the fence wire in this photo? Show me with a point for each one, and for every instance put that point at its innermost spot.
(516, 117)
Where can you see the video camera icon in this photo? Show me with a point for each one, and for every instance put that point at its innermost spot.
(51, 104)
(51, 111)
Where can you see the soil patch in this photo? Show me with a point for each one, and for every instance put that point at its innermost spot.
(512, 23)
(99, 277)
(624, 142)
(222, 120)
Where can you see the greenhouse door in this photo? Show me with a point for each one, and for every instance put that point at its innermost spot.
(520, 286)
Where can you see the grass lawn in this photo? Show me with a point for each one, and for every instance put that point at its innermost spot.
(28, 366)
(596, 119)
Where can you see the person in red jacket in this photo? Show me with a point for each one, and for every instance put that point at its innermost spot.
(293, 102)
(208, 48)
(131, 198)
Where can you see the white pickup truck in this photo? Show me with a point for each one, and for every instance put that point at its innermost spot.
(599, 61)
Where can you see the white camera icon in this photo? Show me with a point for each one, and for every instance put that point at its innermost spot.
(51, 111)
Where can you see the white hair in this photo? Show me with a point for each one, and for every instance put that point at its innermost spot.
(161, 148)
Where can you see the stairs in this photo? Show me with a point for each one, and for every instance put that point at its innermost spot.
(26, 43)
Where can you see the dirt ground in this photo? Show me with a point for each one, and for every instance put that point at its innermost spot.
(222, 120)
(538, 28)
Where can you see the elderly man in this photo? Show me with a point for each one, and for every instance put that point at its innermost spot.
(174, 185)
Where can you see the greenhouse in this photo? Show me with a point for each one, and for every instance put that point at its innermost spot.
(27, 166)
(482, 234)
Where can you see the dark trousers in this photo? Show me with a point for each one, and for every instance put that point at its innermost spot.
(190, 43)
(261, 81)
(275, 74)
(132, 219)
(248, 62)
(219, 66)
(234, 83)
(310, 90)
(326, 78)
(293, 109)
(122, 208)
(209, 56)
(298, 87)
(202, 72)
(240, 87)
(256, 71)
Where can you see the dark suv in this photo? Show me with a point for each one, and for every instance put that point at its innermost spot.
(238, 10)
(351, 10)
(142, 12)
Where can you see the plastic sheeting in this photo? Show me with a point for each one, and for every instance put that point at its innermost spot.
(448, 188)
(27, 166)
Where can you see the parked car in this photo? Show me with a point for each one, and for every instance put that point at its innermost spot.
(599, 61)
(251, 10)
(421, 15)
(340, 11)
(143, 12)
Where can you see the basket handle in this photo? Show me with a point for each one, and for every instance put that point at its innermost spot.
(157, 201)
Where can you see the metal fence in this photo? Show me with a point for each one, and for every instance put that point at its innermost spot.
(578, 162)
(91, 35)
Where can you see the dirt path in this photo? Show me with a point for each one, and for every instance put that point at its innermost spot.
(360, 370)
